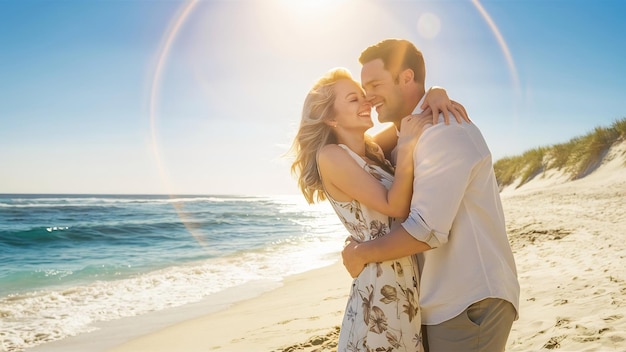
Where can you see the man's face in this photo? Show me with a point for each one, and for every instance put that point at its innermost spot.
(383, 91)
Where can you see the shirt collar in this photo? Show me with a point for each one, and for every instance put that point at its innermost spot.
(418, 109)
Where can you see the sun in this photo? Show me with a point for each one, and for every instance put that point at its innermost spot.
(309, 7)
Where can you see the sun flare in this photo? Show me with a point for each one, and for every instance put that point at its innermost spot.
(308, 7)
(428, 25)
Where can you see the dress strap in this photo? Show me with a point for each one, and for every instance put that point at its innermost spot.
(354, 155)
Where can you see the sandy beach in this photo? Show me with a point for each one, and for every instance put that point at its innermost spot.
(569, 245)
(568, 240)
(306, 306)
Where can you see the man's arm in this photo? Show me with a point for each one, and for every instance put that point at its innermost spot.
(396, 244)
(444, 164)
(444, 159)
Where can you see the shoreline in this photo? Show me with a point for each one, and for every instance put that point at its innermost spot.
(304, 310)
(569, 247)
(109, 334)
(306, 305)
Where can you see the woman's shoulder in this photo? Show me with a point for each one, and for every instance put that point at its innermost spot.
(333, 151)
(335, 155)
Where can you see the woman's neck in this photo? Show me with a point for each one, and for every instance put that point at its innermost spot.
(354, 142)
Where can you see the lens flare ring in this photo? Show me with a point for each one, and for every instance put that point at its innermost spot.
(168, 40)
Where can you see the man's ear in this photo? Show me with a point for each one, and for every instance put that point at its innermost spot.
(406, 76)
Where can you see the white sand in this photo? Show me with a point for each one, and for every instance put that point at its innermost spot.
(570, 246)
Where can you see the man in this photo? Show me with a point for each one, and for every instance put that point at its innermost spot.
(469, 294)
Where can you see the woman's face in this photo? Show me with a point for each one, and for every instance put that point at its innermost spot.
(352, 111)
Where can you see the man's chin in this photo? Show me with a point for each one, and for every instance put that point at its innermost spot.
(383, 119)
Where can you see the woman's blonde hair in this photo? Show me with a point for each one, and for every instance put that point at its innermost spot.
(314, 133)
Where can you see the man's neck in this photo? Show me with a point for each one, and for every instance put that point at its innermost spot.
(417, 107)
(413, 106)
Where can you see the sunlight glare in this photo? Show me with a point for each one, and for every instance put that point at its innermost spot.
(309, 7)
(428, 25)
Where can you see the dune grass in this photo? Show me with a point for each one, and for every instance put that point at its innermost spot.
(576, 158)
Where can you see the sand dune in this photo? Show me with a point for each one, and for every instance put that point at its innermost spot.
(569, 241)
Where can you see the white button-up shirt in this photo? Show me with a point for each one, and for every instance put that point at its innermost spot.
(456, 209)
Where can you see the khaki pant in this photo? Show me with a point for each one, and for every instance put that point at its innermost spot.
(484, 326)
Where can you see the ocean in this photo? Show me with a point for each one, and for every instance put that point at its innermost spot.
(69, 262)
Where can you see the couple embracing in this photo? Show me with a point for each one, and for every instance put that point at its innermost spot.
(428, 250)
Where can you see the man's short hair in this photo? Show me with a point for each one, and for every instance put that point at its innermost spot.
(397, 55)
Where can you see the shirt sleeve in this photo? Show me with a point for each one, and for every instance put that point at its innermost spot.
(443, 159)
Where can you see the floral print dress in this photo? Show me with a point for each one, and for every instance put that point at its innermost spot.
(383, 312)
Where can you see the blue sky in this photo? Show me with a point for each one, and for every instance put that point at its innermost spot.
(140, 96)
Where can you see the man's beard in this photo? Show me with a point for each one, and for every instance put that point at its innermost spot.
(389, 115)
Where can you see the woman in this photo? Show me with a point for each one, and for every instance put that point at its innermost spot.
(336, 160)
